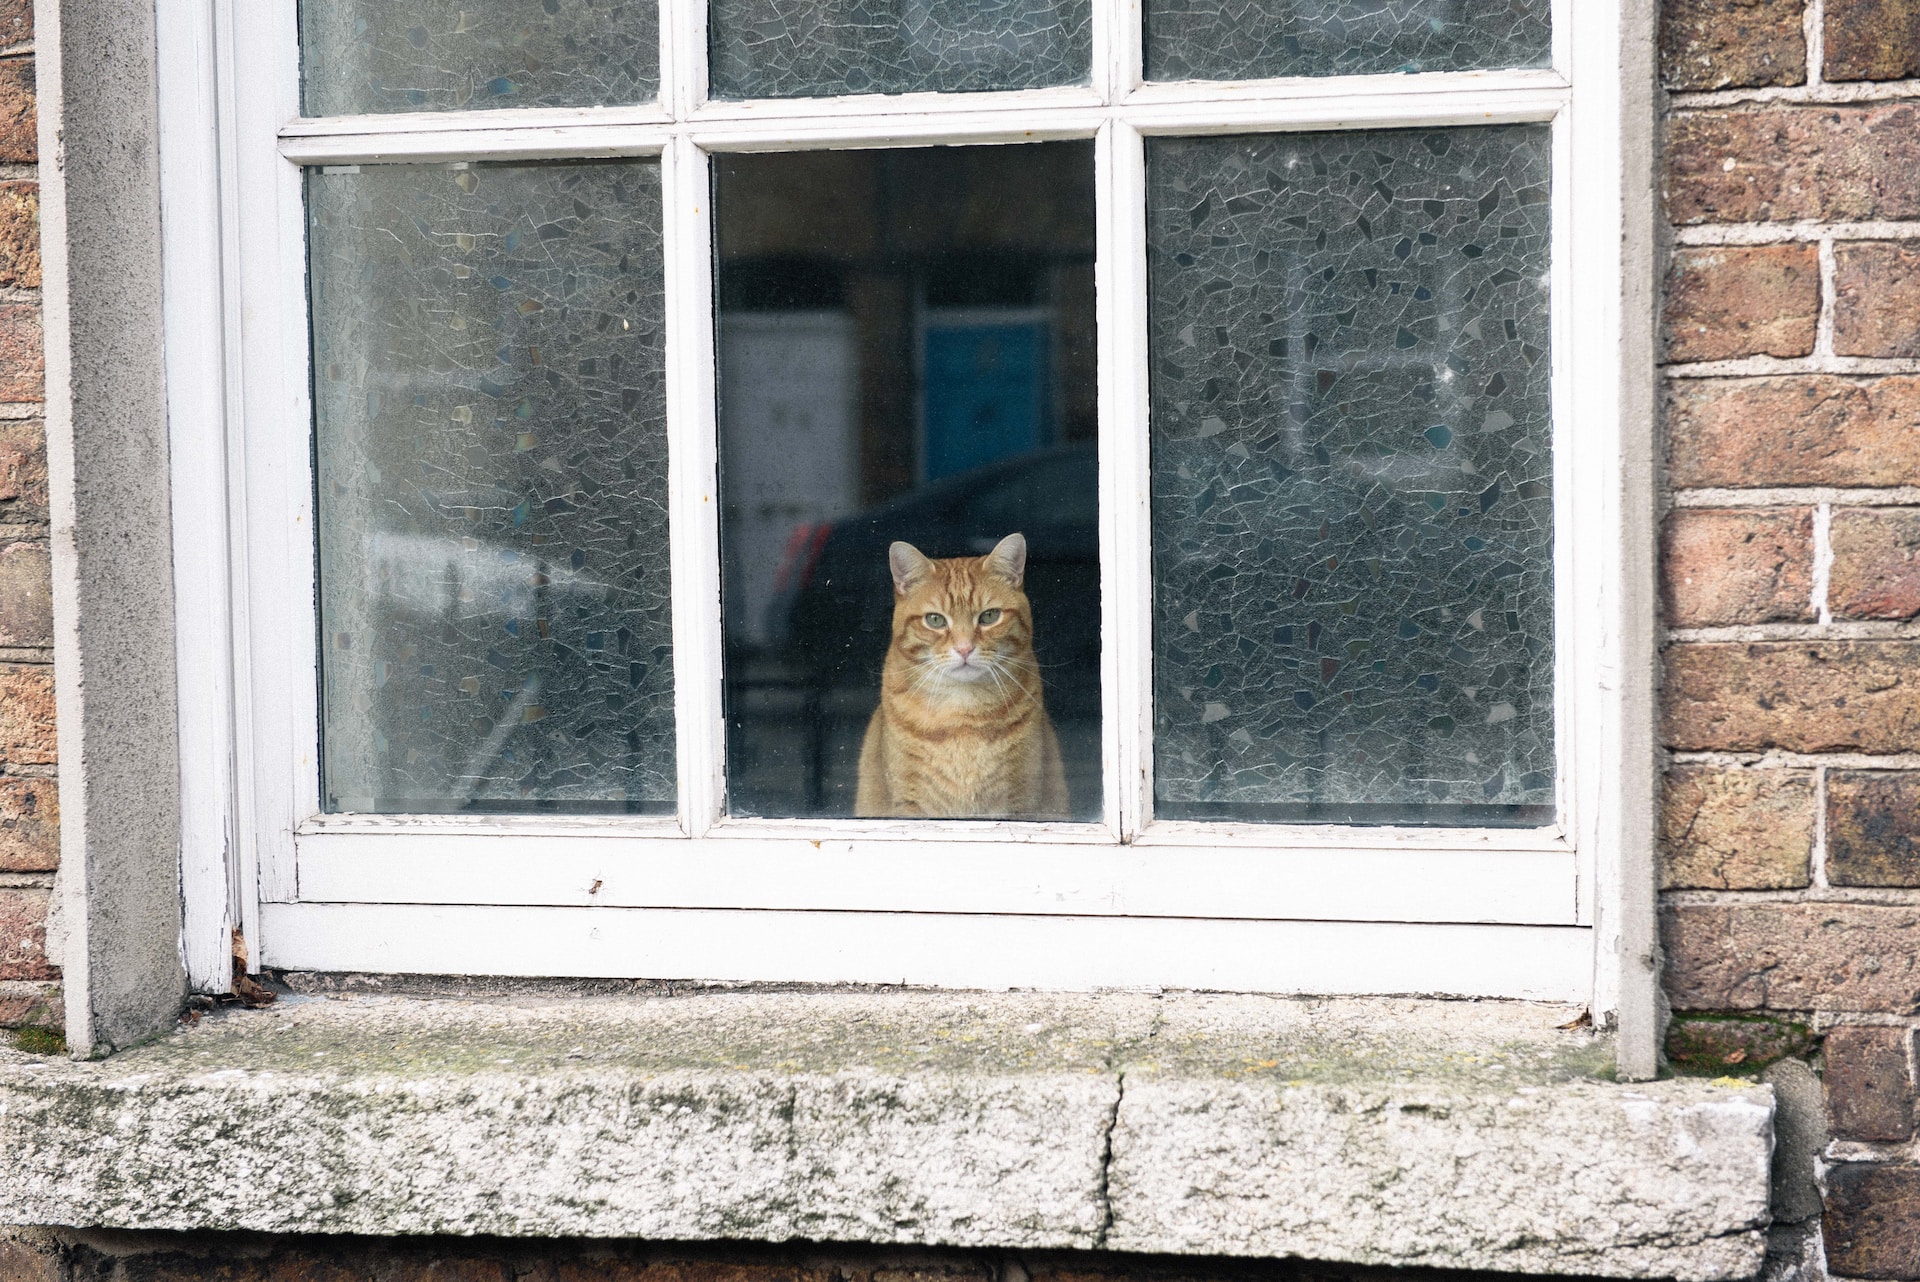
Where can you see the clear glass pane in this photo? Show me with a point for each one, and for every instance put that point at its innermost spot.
(907, 354)
(492, 467)
(1352, 476)
(1253, 39)
(812, 48)
(361, 56)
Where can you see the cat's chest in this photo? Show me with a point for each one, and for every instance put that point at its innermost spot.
(972, 770)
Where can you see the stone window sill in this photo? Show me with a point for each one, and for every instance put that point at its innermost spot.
(1468, 1135)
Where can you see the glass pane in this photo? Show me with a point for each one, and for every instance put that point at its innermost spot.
(1352, 476)
(812, 48)
(492, 464)
(359, 56)
(1253, 39)
(907, 355)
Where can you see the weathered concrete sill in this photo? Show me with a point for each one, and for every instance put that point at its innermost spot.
(1462, 1135)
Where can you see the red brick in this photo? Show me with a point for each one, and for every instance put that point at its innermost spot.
(1725, 44)
(1872, 1222)
(16, 22)
(19, 139)
(1838, 957)
(452, 1267)
(1733, 829)
(26, 594)
(619, 1268)
(1779, 164)
(1869, 1082)
(26, 716)
(1730, 302)
(1801, 696)
(1810, 429)
(302, 1264)
(1735, 565)
(1876, 563)
(19, 233)
(1871, 39)
(25, 1004)
(1876, 298)
(24, 1261)
(195, 1264)
(29, 825)
(23, 470)
(1873, 827)
(23, 934)
(23, 362)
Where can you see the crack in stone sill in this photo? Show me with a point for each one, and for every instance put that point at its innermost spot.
(1103, 1198)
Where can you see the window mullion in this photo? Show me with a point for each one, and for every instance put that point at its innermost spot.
(692, 486)
(683, 56)
(1125, 547)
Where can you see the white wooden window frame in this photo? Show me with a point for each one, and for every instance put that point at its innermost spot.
(1129, 901)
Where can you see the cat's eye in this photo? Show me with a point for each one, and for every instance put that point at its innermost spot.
(935, 620)
(989, 617)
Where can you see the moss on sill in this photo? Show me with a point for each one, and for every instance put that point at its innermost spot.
(1711, 1045)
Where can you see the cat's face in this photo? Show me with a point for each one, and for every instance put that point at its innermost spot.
(962, 623)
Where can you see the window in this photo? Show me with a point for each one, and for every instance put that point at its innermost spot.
(583, 367)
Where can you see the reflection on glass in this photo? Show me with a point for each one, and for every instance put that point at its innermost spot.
(491, 456)
(360, 56)
(907, 358)
(1352, 476)
(1254, 39)
(811, 48)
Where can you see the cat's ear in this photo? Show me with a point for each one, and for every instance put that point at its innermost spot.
(1009, 559)
(910, 568)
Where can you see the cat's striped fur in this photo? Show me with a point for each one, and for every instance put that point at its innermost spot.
(962, 729)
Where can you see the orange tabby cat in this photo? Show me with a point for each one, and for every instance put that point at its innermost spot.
(961, 730)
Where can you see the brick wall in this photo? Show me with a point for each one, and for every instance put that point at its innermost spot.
(29, 804)
(1791, 708)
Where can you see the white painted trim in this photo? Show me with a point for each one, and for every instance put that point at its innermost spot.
(196, 334)
(932, 875)
(937, 887)
(1126, 551)
(508, 120)
(277, 712)
(1534, 963)
(693, 490)
(1187, 108)
(427, 146)
(683, 56)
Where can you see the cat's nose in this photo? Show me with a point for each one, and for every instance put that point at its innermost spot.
(963, 651)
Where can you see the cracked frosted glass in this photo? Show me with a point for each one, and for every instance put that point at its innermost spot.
(812, 48)
(1251, 39)
(492, 458)
(1352, 470)
(418, 55)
